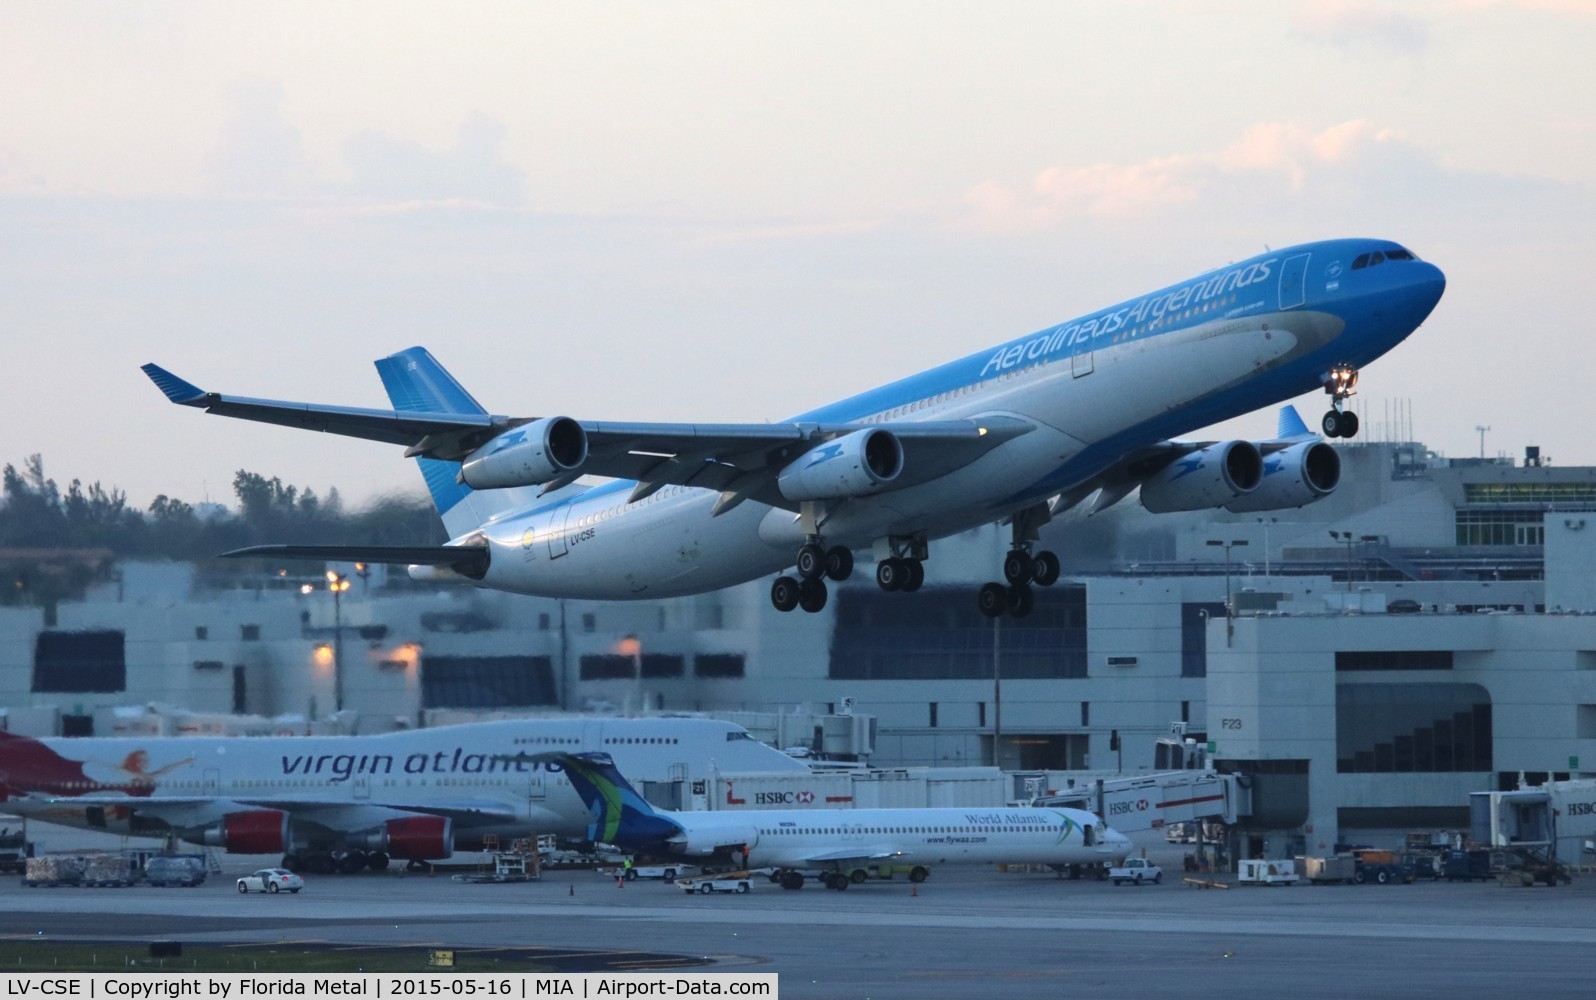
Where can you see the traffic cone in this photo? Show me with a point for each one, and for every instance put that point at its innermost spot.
(914, 888)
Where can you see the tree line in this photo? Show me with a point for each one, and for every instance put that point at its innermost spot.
(36, 513)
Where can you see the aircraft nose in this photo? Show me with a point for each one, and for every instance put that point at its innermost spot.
(1429, 283)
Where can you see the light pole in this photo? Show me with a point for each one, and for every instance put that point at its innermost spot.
(1266, 522)
(1230, 628)
(337, 583)
(997, 693)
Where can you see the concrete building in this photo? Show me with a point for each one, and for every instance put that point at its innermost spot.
(1357, 723)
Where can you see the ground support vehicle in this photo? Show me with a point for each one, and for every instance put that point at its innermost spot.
(1342, 868)
(1466, 866)
(1136, 871)
(724, 882)
(186, 870)
(1258, 871)
(1381, 867)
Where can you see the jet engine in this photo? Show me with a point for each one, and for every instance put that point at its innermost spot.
(529, 455)
(1212, 477)
(411, 838)
(1294, 477)
(707, 842)
(258, 831)
(856, 464)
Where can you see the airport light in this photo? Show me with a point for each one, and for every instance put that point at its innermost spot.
(1229, 611)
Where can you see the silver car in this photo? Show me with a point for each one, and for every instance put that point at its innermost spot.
(271, 880)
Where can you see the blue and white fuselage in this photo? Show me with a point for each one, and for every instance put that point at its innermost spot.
(1089, 404)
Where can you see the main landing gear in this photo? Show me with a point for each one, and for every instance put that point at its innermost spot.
(903, 567)
(815, 564)
(1338, 385)
(1021, 568)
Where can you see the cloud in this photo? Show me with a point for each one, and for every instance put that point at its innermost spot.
(261, 152)
(388, 168)
(1283, 158)
(1350, 24)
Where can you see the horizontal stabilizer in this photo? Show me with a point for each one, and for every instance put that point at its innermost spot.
(467, 560)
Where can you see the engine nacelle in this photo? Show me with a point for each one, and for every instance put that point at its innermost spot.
(529, 455)
(702, 843)
(1294, 477)
(412, 838)
(853, 465)
(1212, 477)
(258, 831)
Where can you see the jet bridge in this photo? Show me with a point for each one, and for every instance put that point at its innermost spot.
(1152, 801)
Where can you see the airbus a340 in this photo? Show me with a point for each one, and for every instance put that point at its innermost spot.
(1014, 433)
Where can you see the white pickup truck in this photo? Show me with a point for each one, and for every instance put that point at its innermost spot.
(1136, 871)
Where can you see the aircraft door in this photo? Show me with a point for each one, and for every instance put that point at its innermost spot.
(559, 519)
(1294, 281)
(1081, 360)
(536, 791)
(362, 786)
(210, 781)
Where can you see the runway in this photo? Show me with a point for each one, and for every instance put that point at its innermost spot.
(964, 933)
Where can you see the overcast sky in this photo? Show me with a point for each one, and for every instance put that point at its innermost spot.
(737, 211)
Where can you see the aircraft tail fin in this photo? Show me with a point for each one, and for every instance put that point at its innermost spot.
(417, 383)
(620, 815)
(1291, 425)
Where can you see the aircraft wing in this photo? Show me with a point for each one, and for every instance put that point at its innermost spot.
(741, 461)
(467, 560)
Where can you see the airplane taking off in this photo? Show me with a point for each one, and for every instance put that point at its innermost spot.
(353, 802)
(835, 840)
(1016, 433)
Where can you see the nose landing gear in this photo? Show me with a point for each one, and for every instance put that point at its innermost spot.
(1338, 385)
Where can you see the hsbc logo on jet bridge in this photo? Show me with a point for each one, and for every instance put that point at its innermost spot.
(784, 798)
(1582, 808)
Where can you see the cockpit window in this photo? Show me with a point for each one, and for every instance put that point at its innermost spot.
(740, 734)
(1361, 263)
(1398, 254)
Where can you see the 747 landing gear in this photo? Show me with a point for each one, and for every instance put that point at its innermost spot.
(1338, 385)
(815, 564)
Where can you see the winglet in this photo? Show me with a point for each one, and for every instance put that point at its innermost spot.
(1291, 425)
(177, 390)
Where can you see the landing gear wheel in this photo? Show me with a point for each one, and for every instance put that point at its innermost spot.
(857, 876)
(918, 873)
(352, 862)
(812, 595)
(891, 574)
(291, 862)
(1017, 567)
(811, 561)
(1349, 424)
(993, 599)
(1331, 424)
(377, 861)
(1045, 569)
(784, 593)
(1021, 601)
(839, 563)
(916, 575)
(792, 880)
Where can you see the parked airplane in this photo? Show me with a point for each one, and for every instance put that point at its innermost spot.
(1017, 433)
(352, 802)
(834, 840)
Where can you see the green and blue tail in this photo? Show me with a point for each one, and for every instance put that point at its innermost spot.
(620, 815)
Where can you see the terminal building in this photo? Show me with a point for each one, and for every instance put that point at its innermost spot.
(1369, 661)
